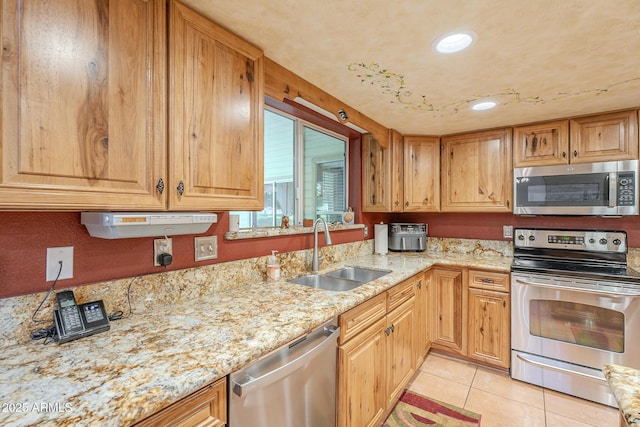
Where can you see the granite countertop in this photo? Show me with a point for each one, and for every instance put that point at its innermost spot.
(149, 360)
(625, 386)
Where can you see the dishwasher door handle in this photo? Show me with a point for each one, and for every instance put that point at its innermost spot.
(330, 340)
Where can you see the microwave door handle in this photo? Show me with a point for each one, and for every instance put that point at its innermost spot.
(613, 193)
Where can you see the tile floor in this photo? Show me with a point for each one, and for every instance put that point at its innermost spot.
(502, 401)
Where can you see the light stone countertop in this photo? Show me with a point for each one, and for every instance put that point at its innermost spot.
(625, 386)
(149, 360)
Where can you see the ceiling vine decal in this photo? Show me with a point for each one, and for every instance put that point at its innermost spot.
(393, 84)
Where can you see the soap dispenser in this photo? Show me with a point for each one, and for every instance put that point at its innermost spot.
(273, 268)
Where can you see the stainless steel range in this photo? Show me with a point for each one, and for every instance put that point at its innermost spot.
(575, 307)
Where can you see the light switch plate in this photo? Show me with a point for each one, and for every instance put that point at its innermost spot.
(54, 256)
(507, 231)
(206, 248)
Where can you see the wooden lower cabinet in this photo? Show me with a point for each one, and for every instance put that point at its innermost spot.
(376, 355)
(489, 331)
(422, 317)
(206, 407)
(449, 311)
(400, 349)
(471, 314)
(361, 378)
(488, 339)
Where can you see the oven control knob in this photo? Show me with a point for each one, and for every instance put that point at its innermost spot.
(532, 238)
(520, 237)
(603, 241)
(617, 242)
(592, 240)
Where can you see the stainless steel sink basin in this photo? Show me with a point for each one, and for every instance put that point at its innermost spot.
(358, 274)
(328, 283)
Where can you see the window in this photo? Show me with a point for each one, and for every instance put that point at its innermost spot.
(305, 173)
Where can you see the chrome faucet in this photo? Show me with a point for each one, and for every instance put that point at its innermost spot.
(327, 240)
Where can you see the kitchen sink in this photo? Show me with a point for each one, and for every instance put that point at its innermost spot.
(328, 283)
(343, 279)
(359, 274)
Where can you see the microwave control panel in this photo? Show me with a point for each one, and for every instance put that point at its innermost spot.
(626, 189)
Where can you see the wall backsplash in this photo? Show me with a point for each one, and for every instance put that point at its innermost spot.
(151, 291)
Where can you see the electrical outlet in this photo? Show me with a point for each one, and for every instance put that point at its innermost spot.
(161, 246)
(507, 231)
(54, 256)
(366, 231)
(206, 247)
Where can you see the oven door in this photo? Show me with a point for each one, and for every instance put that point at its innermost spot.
(562, 335)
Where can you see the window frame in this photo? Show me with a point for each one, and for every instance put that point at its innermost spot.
(298, 167)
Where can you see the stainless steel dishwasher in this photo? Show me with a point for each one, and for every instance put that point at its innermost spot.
(293, 386)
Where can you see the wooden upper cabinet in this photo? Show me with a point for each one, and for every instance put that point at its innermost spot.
(382, 174)
(605, 137)
(541, 144)
(421, 174)
(216, 132)
(477, 172)
(83, 104)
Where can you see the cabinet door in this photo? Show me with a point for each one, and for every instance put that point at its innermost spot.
(477, 172)
(83, 104)
(541, 144)
(396, 144)
(422, 326)
(421, 174)
(206, 407)
(215, 116)
(450, 314)
(400, 349)
(488, 339)
(382, 174)
(361, 378)
(605, 137)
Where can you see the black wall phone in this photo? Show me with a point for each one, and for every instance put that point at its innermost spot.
(74, 321)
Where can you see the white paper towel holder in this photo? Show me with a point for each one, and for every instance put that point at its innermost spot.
(381, 239)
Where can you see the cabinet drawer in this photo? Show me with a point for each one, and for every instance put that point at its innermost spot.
(361, 317)
(489, 280)
(207, 406)
(400, 293)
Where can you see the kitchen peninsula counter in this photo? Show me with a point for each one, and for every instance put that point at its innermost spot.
(625, 386)
(153, 358)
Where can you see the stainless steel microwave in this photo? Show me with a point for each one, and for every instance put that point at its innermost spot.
(598, 189)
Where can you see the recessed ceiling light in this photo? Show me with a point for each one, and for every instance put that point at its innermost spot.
(485, 105)
(454, 42)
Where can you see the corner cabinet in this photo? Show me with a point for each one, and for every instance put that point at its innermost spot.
(382, 173)
(216, 98)
(477, 172)
(83, 105)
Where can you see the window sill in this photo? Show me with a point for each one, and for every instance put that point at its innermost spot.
(275, 232)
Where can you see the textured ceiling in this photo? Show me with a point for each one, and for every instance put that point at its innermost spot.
(538, 59)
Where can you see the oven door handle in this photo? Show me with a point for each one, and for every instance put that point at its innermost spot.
(574, 288)
(613, 190)
(558, 368)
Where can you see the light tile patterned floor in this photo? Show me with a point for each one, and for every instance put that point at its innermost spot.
(504, 402)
